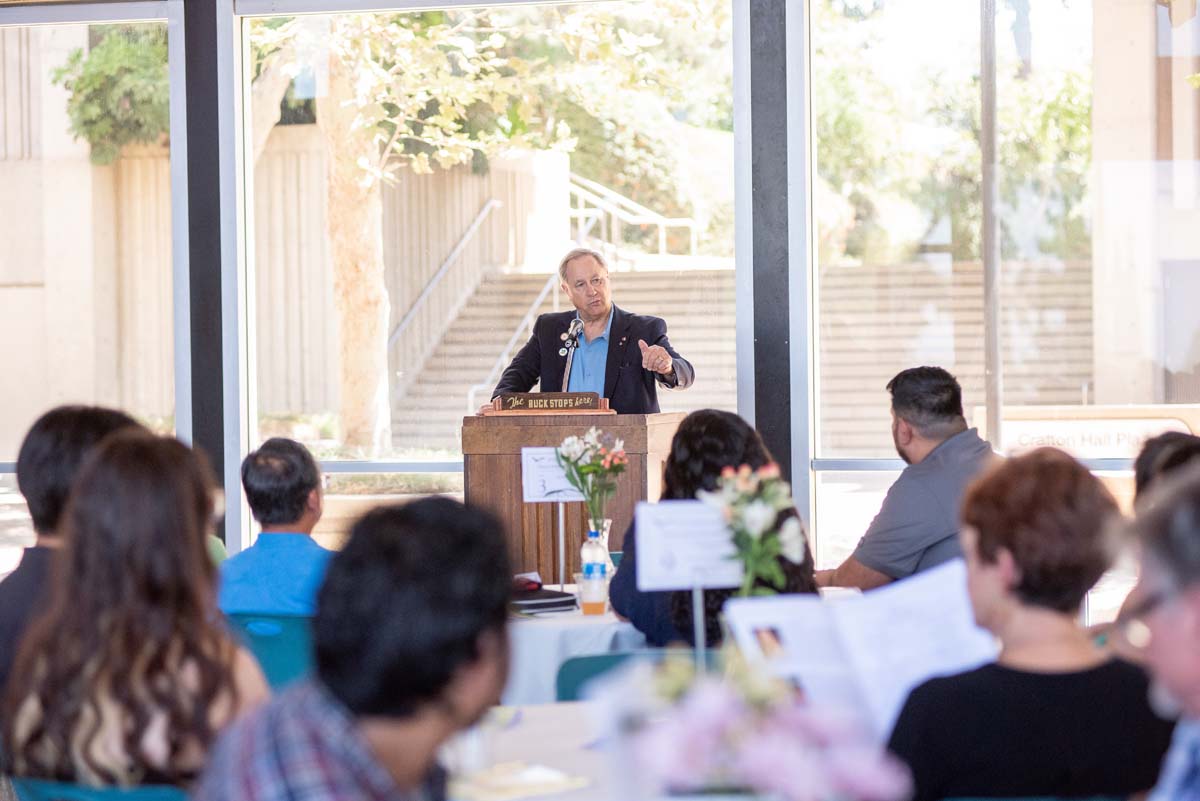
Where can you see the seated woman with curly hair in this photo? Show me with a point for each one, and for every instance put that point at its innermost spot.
(129, 674)
(706, 442)
(1054, 715)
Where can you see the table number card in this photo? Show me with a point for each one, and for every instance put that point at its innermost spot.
(543, 479)
(682, 545)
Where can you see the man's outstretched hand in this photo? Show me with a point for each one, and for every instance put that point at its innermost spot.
(656, 359)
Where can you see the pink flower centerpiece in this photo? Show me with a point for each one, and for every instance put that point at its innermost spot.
(745, 731)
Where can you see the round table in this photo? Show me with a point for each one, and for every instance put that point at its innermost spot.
(543, 642)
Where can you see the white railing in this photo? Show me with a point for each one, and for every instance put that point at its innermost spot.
(599, 214)
(526, 325)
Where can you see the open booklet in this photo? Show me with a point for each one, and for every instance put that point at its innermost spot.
(866, 653)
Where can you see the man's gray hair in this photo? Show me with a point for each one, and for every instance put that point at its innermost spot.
(575, 254)
(1168, 527)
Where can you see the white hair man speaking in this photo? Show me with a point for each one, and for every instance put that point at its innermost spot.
(621, 356)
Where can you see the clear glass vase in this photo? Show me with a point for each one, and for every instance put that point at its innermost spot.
(603, 529)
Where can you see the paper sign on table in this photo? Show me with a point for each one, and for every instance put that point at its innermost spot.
(867, 653)
(542, 478)
(684, 544)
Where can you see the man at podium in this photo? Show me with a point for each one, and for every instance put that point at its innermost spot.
(622, 356)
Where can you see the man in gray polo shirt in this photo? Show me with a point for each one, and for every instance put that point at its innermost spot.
(917, 526)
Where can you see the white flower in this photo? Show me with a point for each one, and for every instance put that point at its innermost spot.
(791, 540)
(572, 448)
(757, 518)
(619, 445)
(592, 438)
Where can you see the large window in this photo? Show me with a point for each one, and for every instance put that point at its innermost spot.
(1096, 127)
(417, 176)
(85, 217)
(86, 284)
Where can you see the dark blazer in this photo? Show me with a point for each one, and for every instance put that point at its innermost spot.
(629, 388)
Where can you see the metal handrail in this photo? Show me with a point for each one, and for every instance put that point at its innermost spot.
(618, 199)
(506, 354)
(626, 211)
(463, 241)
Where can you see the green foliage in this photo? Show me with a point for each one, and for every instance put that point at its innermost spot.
(119, 91)
(901, 151)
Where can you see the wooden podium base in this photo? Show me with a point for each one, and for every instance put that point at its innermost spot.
(492, 477)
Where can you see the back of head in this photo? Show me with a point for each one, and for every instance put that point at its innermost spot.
(52, 452)
(930, 400)
(706, 442)
(278, 479)
(405, 602)
(1162, 455)
(1168, 527)
(1053, 516)
(132, 604)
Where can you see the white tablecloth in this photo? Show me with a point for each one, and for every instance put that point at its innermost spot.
(540, 644)
(563, 737)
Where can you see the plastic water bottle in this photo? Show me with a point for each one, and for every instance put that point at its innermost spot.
(593, 592)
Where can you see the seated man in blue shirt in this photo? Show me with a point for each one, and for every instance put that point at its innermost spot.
(410, 641)
(281, 572)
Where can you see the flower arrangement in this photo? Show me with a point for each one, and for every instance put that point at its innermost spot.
(748, 730)
(592, 463)
(752, 502)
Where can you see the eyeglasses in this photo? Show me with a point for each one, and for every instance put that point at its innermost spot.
(1131, 622)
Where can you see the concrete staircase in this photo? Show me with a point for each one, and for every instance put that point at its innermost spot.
(875, 321)
(698, 306)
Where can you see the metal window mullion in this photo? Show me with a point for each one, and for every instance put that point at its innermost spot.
(75, 13)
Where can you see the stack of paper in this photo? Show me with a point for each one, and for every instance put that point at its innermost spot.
(866, 653)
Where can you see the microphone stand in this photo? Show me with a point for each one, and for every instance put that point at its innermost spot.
(571, 342)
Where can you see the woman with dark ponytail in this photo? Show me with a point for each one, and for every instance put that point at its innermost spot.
(707, 442)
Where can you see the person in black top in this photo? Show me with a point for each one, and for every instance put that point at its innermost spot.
(706, 442)
(47, 463)
(1054, 715)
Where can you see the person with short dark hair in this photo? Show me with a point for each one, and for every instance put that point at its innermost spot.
(280, 573)
(706, 442)
(51, 453)
(1054, 715)
(917, 525)
(128, 675)
(411, 646)
(1164, 623)
(1161, 455)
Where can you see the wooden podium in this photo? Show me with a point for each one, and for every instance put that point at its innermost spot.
(492, 478)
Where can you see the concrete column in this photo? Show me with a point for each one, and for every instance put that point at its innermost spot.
(1127, 282)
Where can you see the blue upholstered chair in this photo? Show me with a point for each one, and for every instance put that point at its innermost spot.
(577, 671)
(282, 644)
(40, 790)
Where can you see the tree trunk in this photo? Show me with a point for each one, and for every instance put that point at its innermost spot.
(355, 223)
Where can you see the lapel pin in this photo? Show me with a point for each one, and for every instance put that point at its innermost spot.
(562, 351)
(563, 336)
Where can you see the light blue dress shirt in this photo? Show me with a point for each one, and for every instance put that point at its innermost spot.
(1180, 777)
(591, 359)
(279, 575)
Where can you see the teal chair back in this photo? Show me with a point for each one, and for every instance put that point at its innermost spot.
(616, 557)
(282, 644)
(577, 671)
(40, 790)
